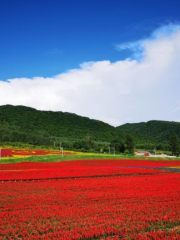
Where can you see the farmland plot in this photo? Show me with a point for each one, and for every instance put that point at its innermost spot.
(100, 199)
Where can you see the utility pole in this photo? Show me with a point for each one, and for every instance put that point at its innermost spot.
(62, 151)
(0, 154)
(54, 144)
(114, 151)
(109, 149)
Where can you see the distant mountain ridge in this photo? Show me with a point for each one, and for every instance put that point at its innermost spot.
(25, 124)
(154, 130)
(20, 123)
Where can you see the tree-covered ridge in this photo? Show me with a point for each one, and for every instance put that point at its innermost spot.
(156, 131)
(19, 123)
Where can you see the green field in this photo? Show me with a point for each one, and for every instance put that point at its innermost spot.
(81, 156)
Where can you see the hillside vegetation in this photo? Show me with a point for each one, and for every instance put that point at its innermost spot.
(152, 131)
(25, 124)
(20, 124)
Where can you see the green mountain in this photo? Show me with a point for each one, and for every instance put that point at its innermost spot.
(25, 124)
(20, 124)
(156, 133)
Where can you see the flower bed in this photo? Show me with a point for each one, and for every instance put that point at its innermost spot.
(29, 152)
(124, 206)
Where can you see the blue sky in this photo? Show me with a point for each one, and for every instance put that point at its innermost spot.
(56, 42)
(45, 37)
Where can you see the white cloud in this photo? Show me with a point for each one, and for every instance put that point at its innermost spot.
(119, 92)
(138, 47)
(132, 46)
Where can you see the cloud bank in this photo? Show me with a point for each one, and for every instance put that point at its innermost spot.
(131, 90)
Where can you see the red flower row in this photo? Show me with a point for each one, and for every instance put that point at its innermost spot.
(80, 168)
(21, 152)
(135, 207)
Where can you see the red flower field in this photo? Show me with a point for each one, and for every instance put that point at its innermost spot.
(90, 199)
(28, 152)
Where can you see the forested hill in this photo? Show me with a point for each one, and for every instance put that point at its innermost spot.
(156, 131)
(25, 124)
(22, 124)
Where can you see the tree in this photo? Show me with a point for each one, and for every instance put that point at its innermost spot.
(130, 143)
(122, 147)
(118, 145)
(175, 144)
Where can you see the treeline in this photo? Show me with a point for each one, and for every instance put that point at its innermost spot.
(152, 131)
(30, 125)
(126, 145)
(23, 125)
